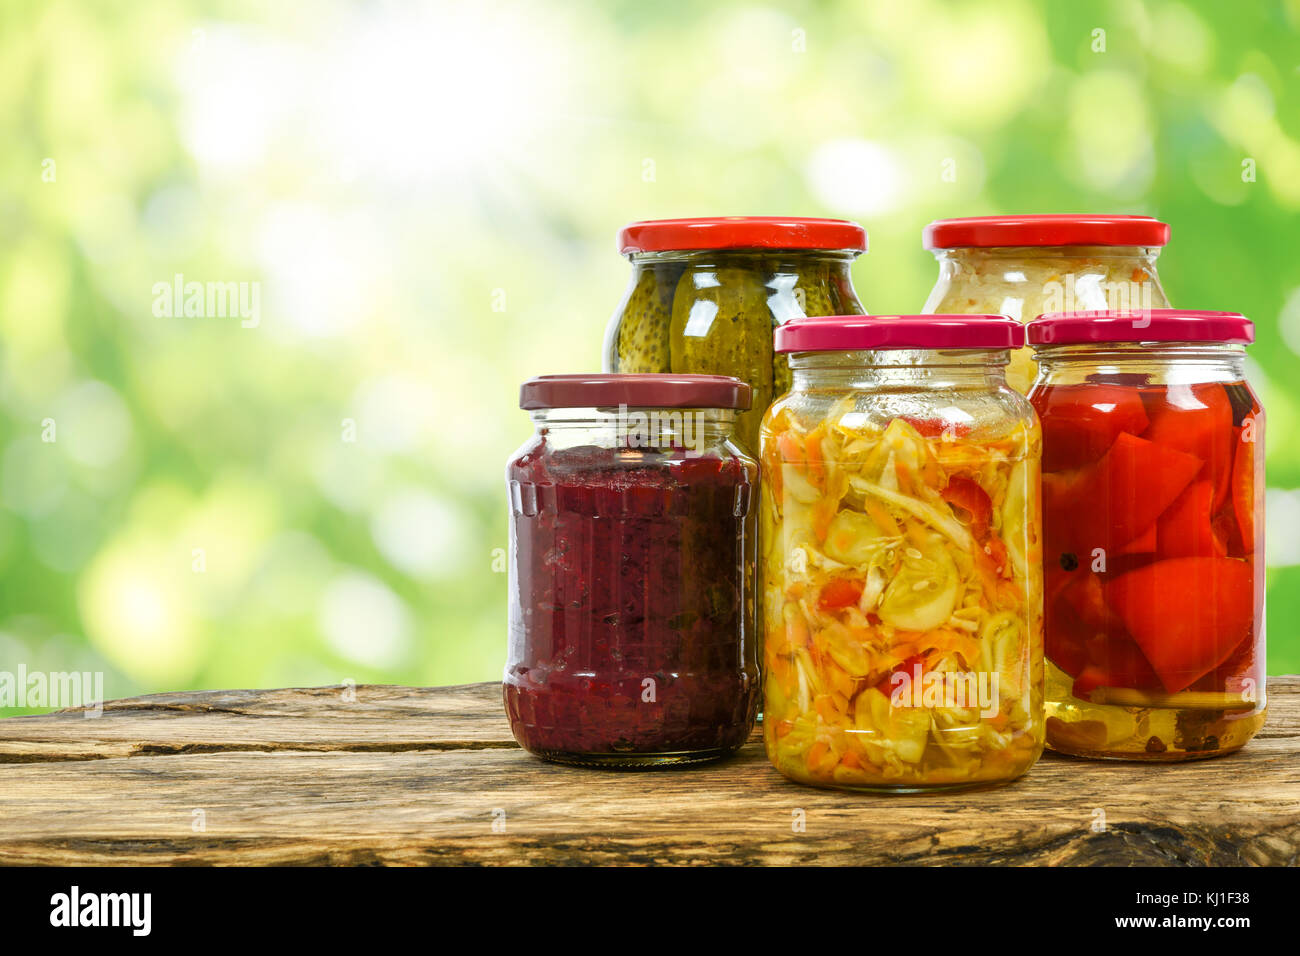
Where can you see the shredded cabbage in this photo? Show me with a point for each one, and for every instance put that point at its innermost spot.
(903, 591)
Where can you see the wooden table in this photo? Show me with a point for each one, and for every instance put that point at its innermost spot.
(403, 775)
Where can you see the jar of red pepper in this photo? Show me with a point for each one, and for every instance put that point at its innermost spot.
(1153, 514)
(633, 543)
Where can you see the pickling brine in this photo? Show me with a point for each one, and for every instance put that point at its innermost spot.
(901, 557)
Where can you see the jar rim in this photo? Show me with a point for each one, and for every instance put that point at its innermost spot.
(742, 232)
(646, 390)
(1102, 327)
(862, 333)
(1045, 230)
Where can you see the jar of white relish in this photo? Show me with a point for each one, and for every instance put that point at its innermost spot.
(1023, 266)
(901, 556)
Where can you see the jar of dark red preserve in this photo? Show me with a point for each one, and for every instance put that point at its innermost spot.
(632, 559)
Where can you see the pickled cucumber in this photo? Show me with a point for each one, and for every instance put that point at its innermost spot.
(814, 288)
(721, 325)
(643, 328)
(805, 290)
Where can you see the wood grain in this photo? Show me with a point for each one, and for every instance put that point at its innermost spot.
(415, 776)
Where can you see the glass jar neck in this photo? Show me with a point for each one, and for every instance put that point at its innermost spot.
(1140, 254)
(1201, 361)
(661, 429)
(771, 258)
(912, 368)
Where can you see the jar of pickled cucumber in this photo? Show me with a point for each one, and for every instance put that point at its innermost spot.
(901, 556)
(705, 295)
(1023, 266)
(1153, 497)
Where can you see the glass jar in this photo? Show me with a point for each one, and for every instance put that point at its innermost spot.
(1023, 266)
(900, 564)
(633, 545)
(705, 295)
(1153, 496)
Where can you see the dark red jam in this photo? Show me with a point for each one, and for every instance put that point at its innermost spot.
(632, 618)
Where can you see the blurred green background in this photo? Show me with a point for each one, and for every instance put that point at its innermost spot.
(427, 196)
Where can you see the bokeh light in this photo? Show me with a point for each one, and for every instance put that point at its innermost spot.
(425, 198)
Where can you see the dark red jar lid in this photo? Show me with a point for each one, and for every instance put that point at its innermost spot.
(607, 390)
(742, 232)
(1153, 325)
(852, 333)
(989, 231)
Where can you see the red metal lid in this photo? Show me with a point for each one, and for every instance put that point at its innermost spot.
(607, 390)
(742, 232)
(1152, 325)
(987, 231)
(851, 333)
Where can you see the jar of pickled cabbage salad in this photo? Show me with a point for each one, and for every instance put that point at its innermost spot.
(1023, 266)
(705, 295)
(633, 542)
(1153, 492)
(901, 556)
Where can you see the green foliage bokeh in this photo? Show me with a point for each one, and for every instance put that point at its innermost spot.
(426, 198)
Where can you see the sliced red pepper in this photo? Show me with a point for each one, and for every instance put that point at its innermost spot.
(1087, 597)
(1081, 422)
(967, 495)
(886, 686)
(1144, 543)
(1196, 419)
(1078, 615)
(1058, 519)
(840, 592)
(1244, 482)
(1185, 529)
(1114, 662)
(1243, 662)
(1120, 497)
(1065, 637)
(1224, 525)
(935, 427)
(1065, 634)
(1187, 614)
(1065, 653)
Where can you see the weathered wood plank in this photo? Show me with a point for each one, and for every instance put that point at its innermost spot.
(367, 717)
(300, 779)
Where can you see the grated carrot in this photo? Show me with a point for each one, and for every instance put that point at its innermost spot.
(791, 453)
(883, 519)
(815, 754)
